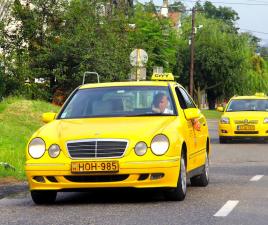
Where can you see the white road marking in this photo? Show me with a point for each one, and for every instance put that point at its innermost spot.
(227, 208)
(256, 178)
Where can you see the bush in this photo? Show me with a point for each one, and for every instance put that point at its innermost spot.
(35, 91)
(2, 87)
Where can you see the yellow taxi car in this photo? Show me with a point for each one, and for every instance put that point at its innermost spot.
(244, 117)
(146, 134)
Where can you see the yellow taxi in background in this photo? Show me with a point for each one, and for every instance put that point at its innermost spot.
(244, 117)
(146, 134)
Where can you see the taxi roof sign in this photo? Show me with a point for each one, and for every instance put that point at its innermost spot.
(163, 77)
(260, 94)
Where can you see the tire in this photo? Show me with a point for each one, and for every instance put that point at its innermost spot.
(43, 197)
(222, 140)
(202, 180)
(179, 193)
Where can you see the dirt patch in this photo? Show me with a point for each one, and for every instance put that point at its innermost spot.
(9, 181)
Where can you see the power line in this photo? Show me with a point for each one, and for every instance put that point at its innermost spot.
(257, 1)
(233, 3)
(254, 31)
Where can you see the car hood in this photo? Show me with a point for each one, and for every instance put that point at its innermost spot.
(123, 127)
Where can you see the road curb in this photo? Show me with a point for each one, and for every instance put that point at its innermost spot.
(10, 189)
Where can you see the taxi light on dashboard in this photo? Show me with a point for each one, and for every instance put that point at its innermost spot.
(260, 94)
(225, 120)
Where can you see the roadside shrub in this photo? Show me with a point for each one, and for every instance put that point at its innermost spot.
(35, 91)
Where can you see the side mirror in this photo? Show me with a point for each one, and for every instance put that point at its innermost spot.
(220, 109)
(48, 117)
(192, 113)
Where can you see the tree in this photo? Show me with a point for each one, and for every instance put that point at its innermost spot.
(222, 60)
(156, 36)
(264, 52)
(225, 14)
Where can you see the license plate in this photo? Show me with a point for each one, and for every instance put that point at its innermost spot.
(94, 166)
(246, 127)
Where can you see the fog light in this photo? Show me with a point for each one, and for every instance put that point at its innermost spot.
(143, 176)
(156, 176)
(140, 148)
(54, 151)
(39, 179)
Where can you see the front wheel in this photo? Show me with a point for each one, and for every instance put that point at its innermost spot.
(179, 193)
(43, 197)
(202, 180)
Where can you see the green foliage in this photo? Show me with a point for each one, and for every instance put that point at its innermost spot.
(19, 118)
(225, 14)
(2, 86)
(264, 53)
(211, 114)
(156, 36)
(225, 64)
(59, 40)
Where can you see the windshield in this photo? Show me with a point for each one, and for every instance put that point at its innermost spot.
(119, 101)
(248, 105)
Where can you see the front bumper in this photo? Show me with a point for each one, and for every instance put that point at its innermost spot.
(145, 174)
(229, 130)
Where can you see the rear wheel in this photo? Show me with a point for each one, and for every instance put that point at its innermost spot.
(179, 193)
(43, 197)
(202, 180)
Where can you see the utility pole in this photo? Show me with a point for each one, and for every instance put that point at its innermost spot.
(191, 84)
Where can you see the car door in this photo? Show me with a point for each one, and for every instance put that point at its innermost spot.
(190, 134)
(197, 131)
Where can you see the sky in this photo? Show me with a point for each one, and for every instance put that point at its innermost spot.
(253, 14)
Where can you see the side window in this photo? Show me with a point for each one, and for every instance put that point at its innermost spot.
(181, 99)
(184, 99)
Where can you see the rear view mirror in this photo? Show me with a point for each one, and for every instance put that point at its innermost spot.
(48, 117)
(192, 113)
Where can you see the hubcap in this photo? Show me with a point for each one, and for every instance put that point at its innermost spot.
(183, 176)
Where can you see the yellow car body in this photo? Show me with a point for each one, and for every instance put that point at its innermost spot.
(64, 172)
(244, 117)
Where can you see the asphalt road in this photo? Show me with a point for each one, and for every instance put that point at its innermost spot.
(230, 198)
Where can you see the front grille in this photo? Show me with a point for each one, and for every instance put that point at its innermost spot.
(246, 132)
(246, 121)
(97, 148)
(97, 178)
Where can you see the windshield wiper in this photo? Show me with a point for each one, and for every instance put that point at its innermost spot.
(152, 114)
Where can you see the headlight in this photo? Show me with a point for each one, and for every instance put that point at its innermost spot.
(159, 144)
(37, 148)
(265, 120)
(225, 120)
(54, 151)
(140, 148)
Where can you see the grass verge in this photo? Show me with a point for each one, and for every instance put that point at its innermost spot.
(19, 119)
(211, 114)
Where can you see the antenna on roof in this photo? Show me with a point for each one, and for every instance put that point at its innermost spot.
(90, 73)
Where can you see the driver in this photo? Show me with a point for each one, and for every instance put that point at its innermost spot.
(161, 103)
